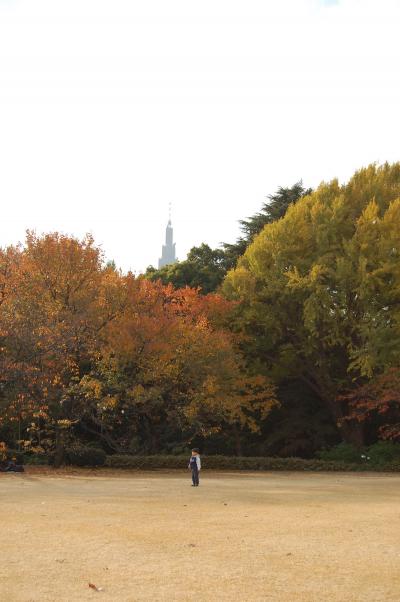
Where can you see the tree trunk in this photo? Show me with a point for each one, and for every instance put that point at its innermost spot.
(104, 435)
(155, 442)
(238, 441)
(350, 430)
(59, 457)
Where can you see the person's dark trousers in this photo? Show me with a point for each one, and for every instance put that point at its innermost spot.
(195, 475)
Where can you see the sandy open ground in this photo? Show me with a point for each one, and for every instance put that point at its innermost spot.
(238, 537)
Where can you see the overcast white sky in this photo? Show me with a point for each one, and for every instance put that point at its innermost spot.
(109, 109)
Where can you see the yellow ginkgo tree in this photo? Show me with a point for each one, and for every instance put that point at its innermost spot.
(320, 289)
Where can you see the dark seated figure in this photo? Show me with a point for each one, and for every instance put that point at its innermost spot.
(10, 465)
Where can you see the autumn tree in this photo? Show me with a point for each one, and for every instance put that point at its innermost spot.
(169, 372)
(375, 404)
(51, 323)
(90, 352)
(320, 289)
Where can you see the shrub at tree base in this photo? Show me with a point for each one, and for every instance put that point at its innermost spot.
(243, 463)
(344, 452)
(86, 456)
(384, 452)
(379, 454)
(37, 459)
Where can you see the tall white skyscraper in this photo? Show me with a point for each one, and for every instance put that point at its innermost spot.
(168, 250)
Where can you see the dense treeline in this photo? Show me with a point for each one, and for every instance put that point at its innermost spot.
(317, 278)
(320, 300)
(92, 355)
(283, 343)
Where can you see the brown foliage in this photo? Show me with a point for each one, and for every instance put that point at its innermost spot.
(82, 343)
(378, 399)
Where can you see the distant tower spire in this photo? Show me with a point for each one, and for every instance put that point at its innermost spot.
(168, 250)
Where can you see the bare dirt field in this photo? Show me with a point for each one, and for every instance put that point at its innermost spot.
(286, 537)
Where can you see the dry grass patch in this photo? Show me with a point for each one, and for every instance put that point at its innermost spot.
(286, 537)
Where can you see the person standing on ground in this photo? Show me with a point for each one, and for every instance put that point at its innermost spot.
(195, 466)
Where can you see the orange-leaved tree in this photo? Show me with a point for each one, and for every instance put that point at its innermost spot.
(131, 363)
(170, 371)
(376, 404)
(58, 302)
